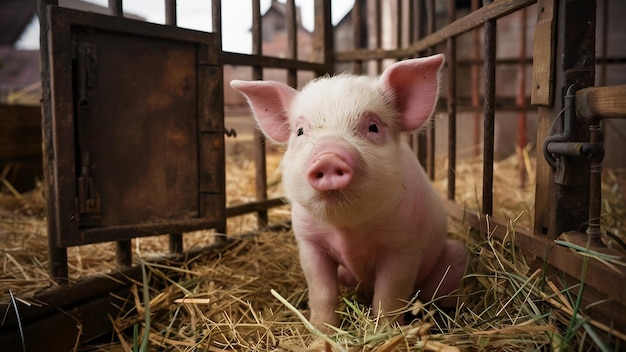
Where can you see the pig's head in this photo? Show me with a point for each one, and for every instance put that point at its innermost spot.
(344, 134)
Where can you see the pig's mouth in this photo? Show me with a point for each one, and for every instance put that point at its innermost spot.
(337, 198)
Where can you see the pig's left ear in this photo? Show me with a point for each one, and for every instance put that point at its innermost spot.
(414, 87)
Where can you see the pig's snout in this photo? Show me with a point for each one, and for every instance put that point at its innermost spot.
(330, 172)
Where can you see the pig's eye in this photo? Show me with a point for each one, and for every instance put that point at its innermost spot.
(300, 131)
(373, 128)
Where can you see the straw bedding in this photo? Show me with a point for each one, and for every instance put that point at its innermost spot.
(250, 296)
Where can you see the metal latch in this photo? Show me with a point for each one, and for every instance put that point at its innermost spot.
(558, 148)
(88, 196)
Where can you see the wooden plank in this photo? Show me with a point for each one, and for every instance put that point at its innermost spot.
(474, 20)
(605, 102)
(78, 313)
(543, 54)
(547, 251)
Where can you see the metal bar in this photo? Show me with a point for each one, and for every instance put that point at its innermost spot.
(175, 240)
(476, 82)
(432, 27)
(595, 185)
(170, 12)
(474, 20)
(259, 139)
(422, 137)
(271, 62)
(115, 7)
(451, 104)
(489, 114)
(252, 207)
(379, 33)
(357, 23)
(292, 42)
(216, 16)
(605, 38)
(522, 139)
(399, 22)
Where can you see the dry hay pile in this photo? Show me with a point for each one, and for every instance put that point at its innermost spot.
(224, 301)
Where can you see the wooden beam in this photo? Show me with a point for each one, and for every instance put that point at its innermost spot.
(605, 102)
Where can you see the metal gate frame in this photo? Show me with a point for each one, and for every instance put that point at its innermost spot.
(78, 193)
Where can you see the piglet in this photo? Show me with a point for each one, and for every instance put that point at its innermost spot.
(363, 211)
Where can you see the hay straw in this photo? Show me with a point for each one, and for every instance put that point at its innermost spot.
(223, 301)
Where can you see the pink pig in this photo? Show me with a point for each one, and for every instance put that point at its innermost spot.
(363, 211)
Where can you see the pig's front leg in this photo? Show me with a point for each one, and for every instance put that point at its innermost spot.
(394, 284)
(320, 271)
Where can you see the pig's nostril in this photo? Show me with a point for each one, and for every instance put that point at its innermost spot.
(340, 172)
(319, 175)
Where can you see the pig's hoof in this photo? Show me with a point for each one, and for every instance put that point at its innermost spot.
(319, 346)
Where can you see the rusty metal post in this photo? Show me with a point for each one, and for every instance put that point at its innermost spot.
(452, 61)
(432, 27)
(522, 139)
(595, 184)
(292, 42)
(175, 239)
(399, 22)
(379, 33)
(475, 84)
(216, 17)
(170, 12)
(489, 113)
(422, 136)
(57, 257)
(359, 27)
(115, 7)
(259, 139)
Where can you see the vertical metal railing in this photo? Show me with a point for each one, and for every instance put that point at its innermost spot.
(175, 239)
(292, 41)
(451, 60)
(489, 113)
(259, 139)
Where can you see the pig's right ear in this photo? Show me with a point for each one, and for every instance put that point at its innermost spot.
(270, 103)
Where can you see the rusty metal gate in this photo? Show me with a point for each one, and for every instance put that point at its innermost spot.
(135, 142)
(111, 124)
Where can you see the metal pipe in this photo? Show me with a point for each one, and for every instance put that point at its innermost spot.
(595, 182)
(565, 136)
